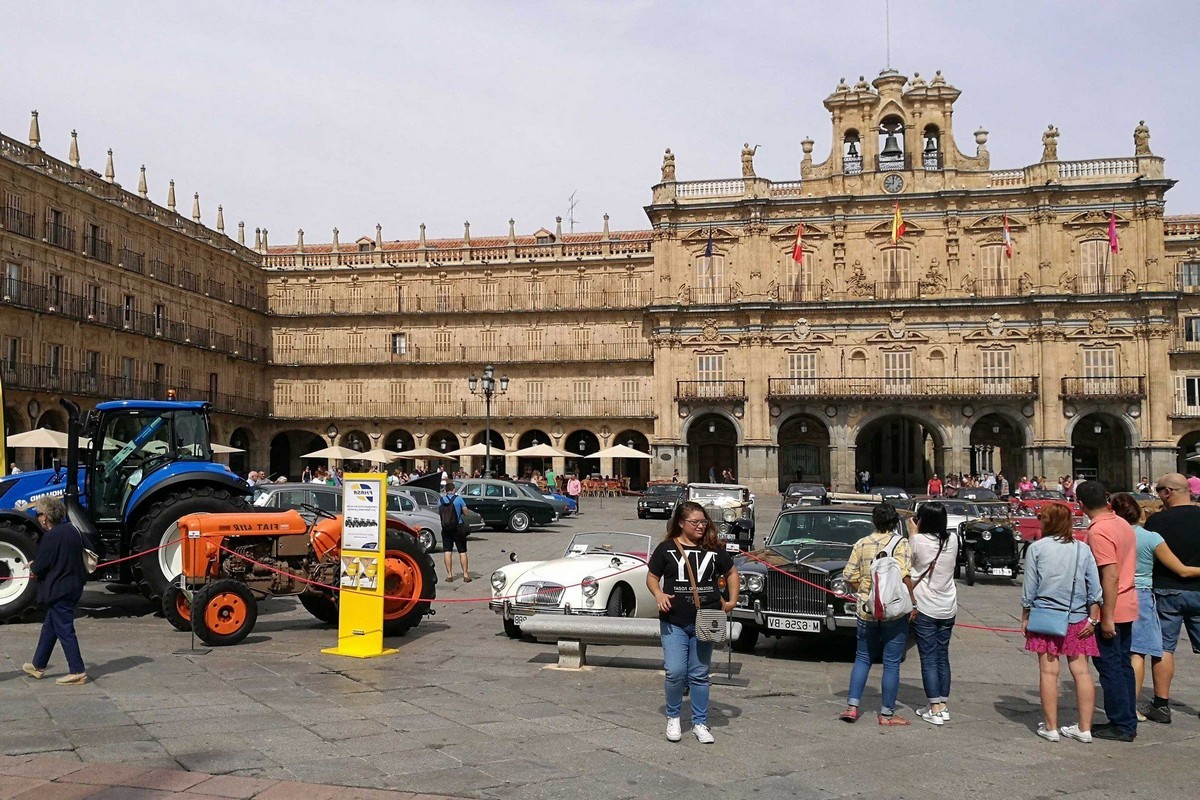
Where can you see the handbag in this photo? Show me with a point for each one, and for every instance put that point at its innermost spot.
(1054, 621)
(712, 624)
(90, 560)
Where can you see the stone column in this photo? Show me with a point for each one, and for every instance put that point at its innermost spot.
(510, 465)
(606, 467)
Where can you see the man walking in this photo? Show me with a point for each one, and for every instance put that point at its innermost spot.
(574, 489)
(454, 531)
(58, 567)
(1178, 599)
(934, 487)
(1114, 545)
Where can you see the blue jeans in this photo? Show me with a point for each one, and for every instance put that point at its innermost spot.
(1116, 678)
(687, 661)
(59, 626)
(879, 641)
(933, 642)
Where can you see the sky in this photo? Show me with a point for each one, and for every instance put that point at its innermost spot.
(321, 114)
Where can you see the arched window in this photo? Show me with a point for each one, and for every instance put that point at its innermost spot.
(937, 363)
(710, 279)
(892, 153)
(851, 153)
(896, 269)
(858, 364)
(931, 154)
(1096, 267)
(993, 270)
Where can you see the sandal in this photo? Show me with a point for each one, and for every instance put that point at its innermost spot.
(893, 720)
(467, 579)
(849, 715)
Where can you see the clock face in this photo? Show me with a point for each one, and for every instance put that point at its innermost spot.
(893, 183)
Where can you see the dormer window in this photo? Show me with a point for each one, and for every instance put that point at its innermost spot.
(892, 155)
(851, 153)
(543, 237)
(363, 247)
(931, 155)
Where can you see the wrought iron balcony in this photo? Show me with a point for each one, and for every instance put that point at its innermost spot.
(1117, 387)
(60, 235)
(461, 409)
(710, 390)
(18, 222)
(132, 261)
(97, 248)
(957, 388)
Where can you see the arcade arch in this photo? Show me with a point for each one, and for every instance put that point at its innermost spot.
(900, 450)
(712, 447)
(1101, 449)
(803, 451)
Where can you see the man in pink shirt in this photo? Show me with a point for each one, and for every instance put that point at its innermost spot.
(1194, 486)
(574, 490)
(1114, 545)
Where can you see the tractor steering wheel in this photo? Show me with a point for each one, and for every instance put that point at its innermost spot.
(318, 512)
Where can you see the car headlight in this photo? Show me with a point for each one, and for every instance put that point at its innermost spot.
(589, 586)
(499, 580)
(1016, 535)
(986, 536)
(755, 582)
(729, 515)
(839, 586)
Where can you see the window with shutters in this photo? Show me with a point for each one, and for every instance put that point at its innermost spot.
(1188, 276)
(488, 343)
(1096, 267)
(127, 311)
(1187, 395)
(354, 393)
(357, 344)
(1100, 362)
(160, 378)
(12, 352)
(630, 290)
(54, 290)
(441, 343)
(710, 371)
(283, 394)
(160, 318)
(802, 370)
(399, 344)
(581, 395)
(710, 279)
(214, 386)
(896, 270)
(442, 396)
(95, 300)
(581, 341)
(993, 270)
(537, 294)
(312, 394)
(629, 340)
(54, 356)
(128, 374)
(356, 298)
(535, 397)
(631, 395)
(996, 369)
(583, 292)
(441, 297)
(487, 296)
(797, 278)
(398, 394)
(312, 341)
(185, 377)
(12, 281)
(533, 341)
(897, 372)
(1191, 329)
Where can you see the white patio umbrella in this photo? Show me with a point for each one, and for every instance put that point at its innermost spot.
(620, 451)
(39, 438)
(380, 455)
(421, 452)
(475, 450)
(225, 449)
(337, 453)
(540, 451)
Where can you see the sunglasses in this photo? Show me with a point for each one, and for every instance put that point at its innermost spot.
(1167, 489)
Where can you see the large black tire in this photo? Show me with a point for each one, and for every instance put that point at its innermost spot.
(619, 602)
(970, 568)
(17, 548)
(405, 547)
(224, 613)
(158, 525)
(519, 521)
(177, 608)
(748, 639)
(321, 606)
(511, 629)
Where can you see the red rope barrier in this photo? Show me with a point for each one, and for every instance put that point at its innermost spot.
(107, 563)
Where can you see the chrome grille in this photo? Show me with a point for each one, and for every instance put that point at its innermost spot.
(786, 594)
(540, 593)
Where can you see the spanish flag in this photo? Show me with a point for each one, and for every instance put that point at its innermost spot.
(897, 225)
(798, 247)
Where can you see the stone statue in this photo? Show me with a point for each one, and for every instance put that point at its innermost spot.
(748, 160)
(967, 284)
(668, 166)
(1050, 144)
(685, 294)
(1128, 282)
(826, 288)
(1141, 139)
(1024, 283)
(858, 281)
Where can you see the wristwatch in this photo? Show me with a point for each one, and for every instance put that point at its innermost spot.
(1093, 622)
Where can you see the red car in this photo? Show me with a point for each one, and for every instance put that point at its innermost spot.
(1025, 510)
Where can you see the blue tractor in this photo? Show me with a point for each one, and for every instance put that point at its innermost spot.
(146, 464)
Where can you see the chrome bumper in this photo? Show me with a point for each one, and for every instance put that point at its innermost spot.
(509, 609)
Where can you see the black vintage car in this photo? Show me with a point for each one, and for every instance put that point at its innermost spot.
(805, 494)
(659, 498)
(811, 543)
(731, 508)
(989, 547)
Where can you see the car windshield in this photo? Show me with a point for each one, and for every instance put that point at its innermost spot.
(959, 509)
(979, 494)
(1048, 494)
(806, 489)
(994, 509)
(712, 493)
(889, 491)
(665, 490)
(809, 531)
(630, 544)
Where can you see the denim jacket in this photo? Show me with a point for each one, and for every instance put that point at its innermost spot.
(1048, 577)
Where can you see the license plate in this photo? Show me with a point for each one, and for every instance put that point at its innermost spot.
(733, 547)
(519, 619)
(726, 536)
(1001, 571)
(795, 625)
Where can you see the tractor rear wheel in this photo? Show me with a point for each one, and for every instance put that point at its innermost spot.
(409, 577)
(320, 605)
(159, 527)
(224, 613)
(17, 587)
(177, 608)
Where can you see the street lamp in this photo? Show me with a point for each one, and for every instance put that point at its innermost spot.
(487, 388)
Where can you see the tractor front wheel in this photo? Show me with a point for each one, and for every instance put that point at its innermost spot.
(17, 587)
(408, 584)
(224, 613)
(177, 608)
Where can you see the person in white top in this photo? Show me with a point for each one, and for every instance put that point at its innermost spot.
(935, 604)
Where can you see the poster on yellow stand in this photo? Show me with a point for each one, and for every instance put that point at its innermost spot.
(364, 530)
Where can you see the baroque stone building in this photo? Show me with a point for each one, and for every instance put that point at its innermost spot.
(999, 332)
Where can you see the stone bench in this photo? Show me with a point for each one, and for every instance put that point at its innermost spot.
(573, 633)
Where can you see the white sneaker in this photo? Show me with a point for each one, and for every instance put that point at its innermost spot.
(1073, 732)
(674, 730)
(932, 717)
(703, 734)
(945, 714)
(1049, 734)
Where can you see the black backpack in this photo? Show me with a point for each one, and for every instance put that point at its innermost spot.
(448, 513)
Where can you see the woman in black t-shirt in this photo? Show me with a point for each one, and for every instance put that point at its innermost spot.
(690, 535)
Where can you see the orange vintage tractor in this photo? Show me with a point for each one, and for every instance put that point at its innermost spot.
(231, 561)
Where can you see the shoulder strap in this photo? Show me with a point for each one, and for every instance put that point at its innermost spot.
(932, 564)
(687, 562)
(892, 544)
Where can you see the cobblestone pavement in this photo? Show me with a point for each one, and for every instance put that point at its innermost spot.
(463, 710)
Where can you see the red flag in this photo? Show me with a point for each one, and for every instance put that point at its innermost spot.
(1008, 245)
(798, 247)
(1114, 243)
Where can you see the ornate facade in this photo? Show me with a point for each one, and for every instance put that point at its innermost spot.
(998, 332)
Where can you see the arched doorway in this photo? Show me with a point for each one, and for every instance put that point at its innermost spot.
(286, 449)
(712, 448)
(239, 463)
(497, 465)
(579, 444)
(45, 458)
(899, 451)
(637, 470)
(359, 441)
(398, 441)
(803, 451)
(527, 466)
(442, 441)
(1188, 448)
(1100, 450)
(998, 446)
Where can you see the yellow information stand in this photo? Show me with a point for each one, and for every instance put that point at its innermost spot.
(364, 543)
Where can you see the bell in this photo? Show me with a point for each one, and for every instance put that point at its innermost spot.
(891, 148)
(931, 146)
(853, 151)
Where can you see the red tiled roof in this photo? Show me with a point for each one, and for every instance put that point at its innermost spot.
(351, 245)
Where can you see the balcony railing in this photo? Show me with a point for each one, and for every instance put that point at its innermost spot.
(931, 161)
(455, 303)
(40, 377)
(17, 221)
(1119, 387)
(455, 354)
(852, 165)
(132, 261)
(162, 271)
(1016, 387)
(189, 281)
(97, 248)
(710, 390)
(893, 163)
(60, 235)
(1180, 343)
(503, 408)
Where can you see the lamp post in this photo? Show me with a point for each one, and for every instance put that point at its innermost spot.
(487, 388)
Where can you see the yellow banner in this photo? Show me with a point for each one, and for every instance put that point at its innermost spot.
(364, 542)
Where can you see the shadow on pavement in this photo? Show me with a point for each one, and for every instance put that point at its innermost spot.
(116, 665)
(1024, 711)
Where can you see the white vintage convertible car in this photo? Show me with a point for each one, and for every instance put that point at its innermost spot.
(600, 574)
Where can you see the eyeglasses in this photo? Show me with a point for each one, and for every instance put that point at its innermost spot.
(700, 521)
(1166, 489)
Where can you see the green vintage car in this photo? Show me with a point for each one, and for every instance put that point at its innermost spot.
(502, 505)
